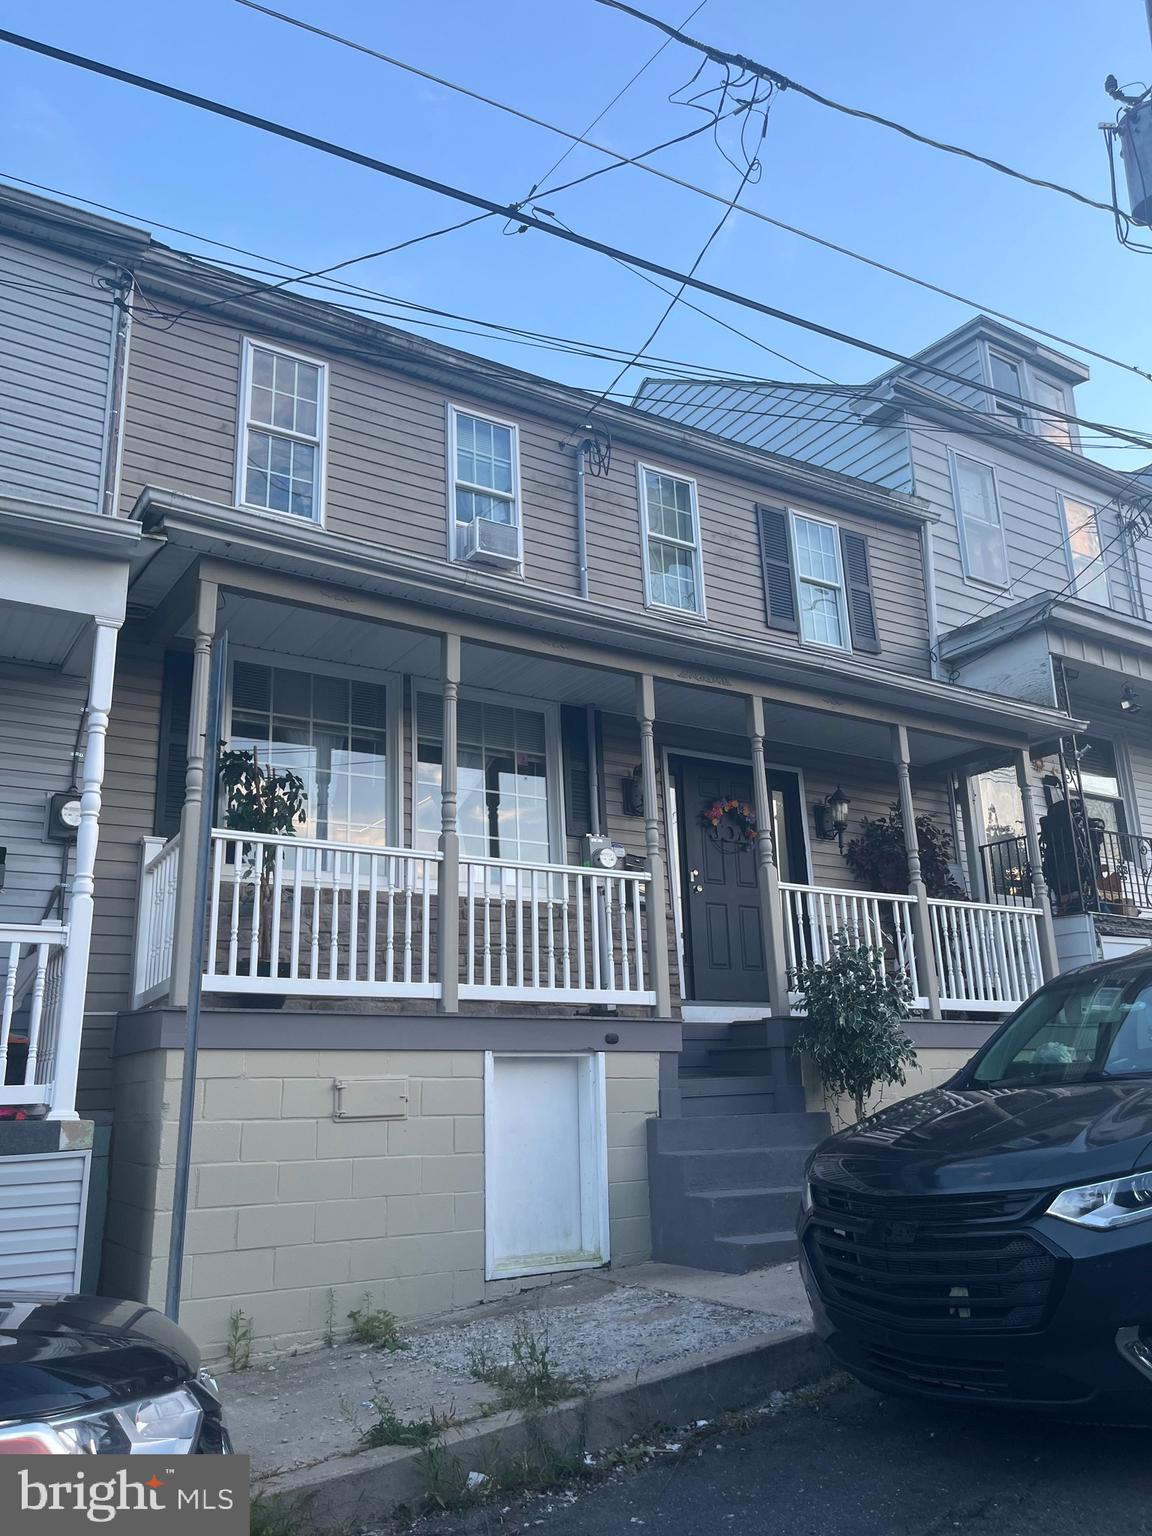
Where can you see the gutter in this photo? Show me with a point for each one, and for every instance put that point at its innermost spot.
(45, 525)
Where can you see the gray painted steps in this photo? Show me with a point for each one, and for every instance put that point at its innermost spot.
(738, 1132)
(721, 1169)
(737, 1255)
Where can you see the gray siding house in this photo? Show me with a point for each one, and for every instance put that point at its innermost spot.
(64, 560)
(1038, 574)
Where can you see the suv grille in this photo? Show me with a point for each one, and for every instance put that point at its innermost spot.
(949, 1263)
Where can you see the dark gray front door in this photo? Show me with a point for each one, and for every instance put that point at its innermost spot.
(724, 950)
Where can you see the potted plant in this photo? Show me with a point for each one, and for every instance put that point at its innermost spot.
(854, 1031)
(258, 799)
(879, 859)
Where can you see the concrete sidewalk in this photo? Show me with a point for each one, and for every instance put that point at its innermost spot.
(304, 1410)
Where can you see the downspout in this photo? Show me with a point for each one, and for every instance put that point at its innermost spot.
(582, 523)
(116, 396)
(927, 562)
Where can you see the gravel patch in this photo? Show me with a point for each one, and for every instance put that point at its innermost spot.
(615, 1335)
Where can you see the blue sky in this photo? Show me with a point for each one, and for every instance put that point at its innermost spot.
(1020, 81)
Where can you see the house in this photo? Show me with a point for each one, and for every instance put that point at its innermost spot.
(63, 584)
(580, 714)
(1039, 577)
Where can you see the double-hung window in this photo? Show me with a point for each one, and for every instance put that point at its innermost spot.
(486, 479)
(1082, 531)
(819, 582)
(673, 577)
(1006, 379)
(978, 517)
(282, 432)
(1051, 397)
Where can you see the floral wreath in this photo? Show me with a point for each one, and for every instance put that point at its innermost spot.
(739, 811)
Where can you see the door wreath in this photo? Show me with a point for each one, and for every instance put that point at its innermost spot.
(735, 817)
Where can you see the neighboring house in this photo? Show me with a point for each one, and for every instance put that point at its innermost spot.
(1039, 578)
(506, 974)
(63, 582)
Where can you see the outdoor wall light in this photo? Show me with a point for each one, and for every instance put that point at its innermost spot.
(830, 817)
(1128, 700)
(634, 792)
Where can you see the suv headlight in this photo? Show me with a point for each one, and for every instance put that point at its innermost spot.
(151, 1426)
(1111, 1203)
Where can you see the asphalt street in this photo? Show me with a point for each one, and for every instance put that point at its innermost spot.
(855, 1464)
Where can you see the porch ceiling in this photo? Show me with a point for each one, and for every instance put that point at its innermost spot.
(42, 637)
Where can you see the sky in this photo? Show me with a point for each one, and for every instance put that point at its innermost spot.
(1019, 80)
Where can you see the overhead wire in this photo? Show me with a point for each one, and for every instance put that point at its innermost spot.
(638, 162)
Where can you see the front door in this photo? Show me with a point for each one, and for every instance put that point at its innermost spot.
(723, 942)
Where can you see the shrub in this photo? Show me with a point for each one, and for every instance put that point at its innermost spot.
(879, 860)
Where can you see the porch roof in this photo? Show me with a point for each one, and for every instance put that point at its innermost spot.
(1075, 629)
(319, 569)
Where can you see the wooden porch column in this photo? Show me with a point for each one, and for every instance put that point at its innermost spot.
(201, 766)
(657, 906)
(771, 906)
(1049, 961)
(74, 972)
(448, 877)
(921, 920)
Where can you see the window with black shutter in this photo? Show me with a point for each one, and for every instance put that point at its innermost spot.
(578, 736)
(172, 758)
(858, 581)
(776, 561)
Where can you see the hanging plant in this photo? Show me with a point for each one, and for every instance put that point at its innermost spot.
(737, 814)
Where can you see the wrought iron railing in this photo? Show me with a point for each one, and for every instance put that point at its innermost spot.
(1101, 872)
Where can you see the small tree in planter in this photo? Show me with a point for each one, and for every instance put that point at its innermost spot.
(258, 800)
(879, 860)
(854, 1031)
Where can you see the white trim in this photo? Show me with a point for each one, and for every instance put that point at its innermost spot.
(798, 580)
(244, 424)
(958, 515)
(557, 837)
(642, 470)
(595, 1199)
(453, 482)
(1102, 566)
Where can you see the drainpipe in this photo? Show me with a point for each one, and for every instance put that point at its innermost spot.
(581, 521)
(927, 560)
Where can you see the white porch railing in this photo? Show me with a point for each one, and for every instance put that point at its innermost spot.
(156, 914)
(814, 914)
(987, 957)
(31, 960)
(310, 918)
(553, 933)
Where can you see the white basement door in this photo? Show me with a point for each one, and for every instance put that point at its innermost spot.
(546, 1164)
(42, 1204)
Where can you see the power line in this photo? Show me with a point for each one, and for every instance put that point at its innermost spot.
(490, 205)
(638, 162)
(785, 83)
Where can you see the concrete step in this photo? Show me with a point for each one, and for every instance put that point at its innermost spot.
(710, 1172)
(763, 1033)
(737, 1255)
(710, 1094)
(736, 1060)
(722, 1132)
(733, 1212)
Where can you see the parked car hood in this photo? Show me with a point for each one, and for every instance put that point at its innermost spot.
(1012, 1138)
(62, 1353)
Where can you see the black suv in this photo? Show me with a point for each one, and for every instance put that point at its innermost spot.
(88, 1375)
(992, 1239)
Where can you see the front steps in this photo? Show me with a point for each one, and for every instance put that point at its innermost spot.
(725, 1172)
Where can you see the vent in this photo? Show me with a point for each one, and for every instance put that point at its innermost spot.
(483, 542)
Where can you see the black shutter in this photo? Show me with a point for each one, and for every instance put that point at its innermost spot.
(776, 560)
(172, 759)
(574, 737)
(858, 578)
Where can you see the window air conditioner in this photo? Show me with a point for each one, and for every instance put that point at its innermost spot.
(483, 542)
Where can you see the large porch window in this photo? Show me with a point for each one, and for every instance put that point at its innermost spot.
(332, 731)
(505, 778)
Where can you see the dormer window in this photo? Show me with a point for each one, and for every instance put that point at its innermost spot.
(1014, 382)
(1050, 396)
(1006, 377)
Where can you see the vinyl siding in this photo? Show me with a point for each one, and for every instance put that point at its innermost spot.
(387, 485)
(56, 332)
(967, 361)
(39, 721)
(42, 1221)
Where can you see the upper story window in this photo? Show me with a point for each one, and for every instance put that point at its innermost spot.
(1052, 397)
(1006, 377)
(979, 523)
(673, 577)
(1082, 540)
(485, 456)
(817, 580)
(282, 432)
(820, 582)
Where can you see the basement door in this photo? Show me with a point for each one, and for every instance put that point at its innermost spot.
(545, 1164)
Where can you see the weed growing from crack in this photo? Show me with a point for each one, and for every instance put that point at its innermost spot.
(240, 1331)
(270, 1519)
(530, 1378)
(389, 1428)
(375, 1326)
(330, 1319)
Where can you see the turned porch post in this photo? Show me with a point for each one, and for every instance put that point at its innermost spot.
(74, 972)
(921, 918)
(768, 877)
(656, 902)
(1049, 961)
(201, 769)
(448, 875)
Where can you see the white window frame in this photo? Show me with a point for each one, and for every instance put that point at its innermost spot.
(557, 837)
(1101, 567)
(391, 682)
(1065, 405)
(799, 581)
(700, 614)
(953, 475)
(1030, 376)
(1024, 390)
(454, 412)
(245, 425)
